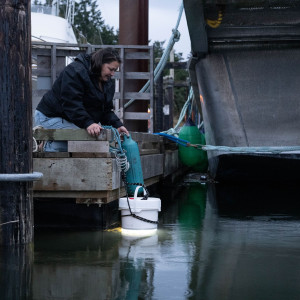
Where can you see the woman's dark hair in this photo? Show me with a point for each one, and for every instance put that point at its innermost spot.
(103, 56)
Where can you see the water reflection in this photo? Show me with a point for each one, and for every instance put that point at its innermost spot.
(254, 253)
(213, 242)
(80, 265)
(137, 260)
(16, 272)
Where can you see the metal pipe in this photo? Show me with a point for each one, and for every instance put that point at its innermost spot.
(21, 177)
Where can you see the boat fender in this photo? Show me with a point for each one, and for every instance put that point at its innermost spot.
(134, 175)
(190, 156)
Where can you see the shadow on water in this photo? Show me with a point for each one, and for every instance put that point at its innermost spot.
(247, 200)
(213, 242)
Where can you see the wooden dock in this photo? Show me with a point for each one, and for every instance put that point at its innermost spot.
(88, 173)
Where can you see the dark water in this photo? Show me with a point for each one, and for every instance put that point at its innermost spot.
(213, 242)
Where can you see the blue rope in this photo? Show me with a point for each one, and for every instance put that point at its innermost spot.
(116, 137)
(120, 155)
(266, 149)
(174, 139)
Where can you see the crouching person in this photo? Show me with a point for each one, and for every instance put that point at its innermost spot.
(81, 97)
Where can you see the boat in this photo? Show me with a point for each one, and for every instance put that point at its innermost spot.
(245, 71)
(48, 26)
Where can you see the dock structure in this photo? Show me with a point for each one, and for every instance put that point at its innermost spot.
(85, 181)
(88, 173)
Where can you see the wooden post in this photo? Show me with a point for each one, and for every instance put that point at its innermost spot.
(16, 213)
(16, 270)
(159, 105)
(134, 31)
(168, 103)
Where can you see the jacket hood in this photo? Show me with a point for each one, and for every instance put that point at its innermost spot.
(85, 59)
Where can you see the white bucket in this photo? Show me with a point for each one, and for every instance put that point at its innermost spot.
(147, 209)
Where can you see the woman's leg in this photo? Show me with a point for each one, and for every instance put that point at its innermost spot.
(53, 123)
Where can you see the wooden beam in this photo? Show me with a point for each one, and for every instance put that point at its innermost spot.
(42, 134)
(136, 116)
(137, 75)
(88, 146)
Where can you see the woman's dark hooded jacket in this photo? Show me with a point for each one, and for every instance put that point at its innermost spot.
(76, 96)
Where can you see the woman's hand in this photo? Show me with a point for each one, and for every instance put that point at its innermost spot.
(122, 129)
(94, 129)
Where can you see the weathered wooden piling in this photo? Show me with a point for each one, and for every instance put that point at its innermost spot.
(16, 217)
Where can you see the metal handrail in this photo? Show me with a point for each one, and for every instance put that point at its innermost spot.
(21, 177)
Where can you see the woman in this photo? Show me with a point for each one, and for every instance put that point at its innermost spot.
(81, 97)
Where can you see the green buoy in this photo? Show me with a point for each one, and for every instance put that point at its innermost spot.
(190, 156)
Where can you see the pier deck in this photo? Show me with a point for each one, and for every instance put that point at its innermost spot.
(88, 172)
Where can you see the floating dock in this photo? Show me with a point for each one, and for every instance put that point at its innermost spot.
(87, 176)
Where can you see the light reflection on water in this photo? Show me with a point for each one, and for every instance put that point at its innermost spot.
(214, 242)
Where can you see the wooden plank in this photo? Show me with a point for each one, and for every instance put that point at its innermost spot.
(137, 55)
(40, 46)
(44, 65)
(53, 63)
(81, 135)
(171, 162)
(137, 75)
(122, 85)
(116, 194)
(73, 174)
(137, 96)
(88, 146)
(146, 137)
(90, 201)
(42, 134)
(136, 116)
(51, 154)
(151, 169)
(105, 196)
(116, 176)
(151, 64)
(70, 194)
(149, 151)
(91, 155)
